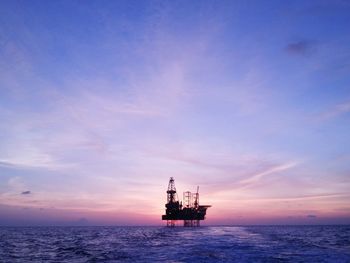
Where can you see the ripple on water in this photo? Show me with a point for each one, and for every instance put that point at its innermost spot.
(161, 244)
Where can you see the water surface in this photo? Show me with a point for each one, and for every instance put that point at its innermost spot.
(162, 244)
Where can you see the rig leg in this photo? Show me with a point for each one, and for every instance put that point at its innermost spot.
(191, 223)
(170, 223)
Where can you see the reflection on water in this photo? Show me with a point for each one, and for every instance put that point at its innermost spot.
(161, 244)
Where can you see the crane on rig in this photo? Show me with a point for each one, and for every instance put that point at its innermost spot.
(189, 210)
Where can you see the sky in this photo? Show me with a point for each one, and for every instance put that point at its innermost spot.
(101, 102)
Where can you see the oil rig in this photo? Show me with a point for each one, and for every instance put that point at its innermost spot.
(189, 210)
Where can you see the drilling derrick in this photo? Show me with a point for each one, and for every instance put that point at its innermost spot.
(172, 207)
(190, 212)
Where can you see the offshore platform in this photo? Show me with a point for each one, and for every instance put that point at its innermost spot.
(189, 211)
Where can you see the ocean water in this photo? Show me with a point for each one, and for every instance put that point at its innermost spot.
(162, 244)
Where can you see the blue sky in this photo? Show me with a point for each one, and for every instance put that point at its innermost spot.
(102, 101)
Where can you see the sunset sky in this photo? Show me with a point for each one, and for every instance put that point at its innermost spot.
(102, 101)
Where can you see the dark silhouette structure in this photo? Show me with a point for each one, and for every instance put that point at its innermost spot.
(189, 211)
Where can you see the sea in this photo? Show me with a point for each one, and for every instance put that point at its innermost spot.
(176, 244)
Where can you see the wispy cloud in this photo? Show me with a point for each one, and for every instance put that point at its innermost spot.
(311, 216)
(335, 111)
(232, 170)
(28, 161)
(6, 164)
(276, 169)
(301, 197)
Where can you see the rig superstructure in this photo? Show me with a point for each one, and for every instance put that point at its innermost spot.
(189, 210)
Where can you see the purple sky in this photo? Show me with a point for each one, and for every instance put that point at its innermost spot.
(101, 102)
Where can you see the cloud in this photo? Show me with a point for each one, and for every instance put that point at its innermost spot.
(311, 216)
(335, 111)
(305, 197)
(6, 164)
(275, 169)
(86, 114)
(34, 160)
(26, 193)
(299, 48)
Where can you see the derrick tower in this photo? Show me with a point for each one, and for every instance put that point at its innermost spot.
(171, 193)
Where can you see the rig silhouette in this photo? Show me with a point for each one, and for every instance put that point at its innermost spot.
(189, 210)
